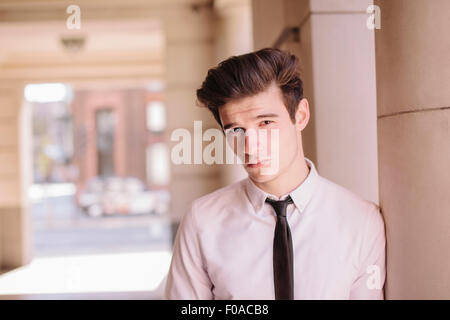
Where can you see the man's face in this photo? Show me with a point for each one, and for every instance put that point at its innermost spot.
(271, 141)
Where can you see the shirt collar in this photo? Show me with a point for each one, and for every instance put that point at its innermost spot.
(300, 195)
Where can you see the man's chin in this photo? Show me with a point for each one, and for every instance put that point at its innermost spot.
(260, 175)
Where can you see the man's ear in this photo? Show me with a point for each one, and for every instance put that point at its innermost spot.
(302, 114)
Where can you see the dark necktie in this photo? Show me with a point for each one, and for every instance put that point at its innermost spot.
(283, 256)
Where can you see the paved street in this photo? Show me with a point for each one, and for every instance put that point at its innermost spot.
(60, 228)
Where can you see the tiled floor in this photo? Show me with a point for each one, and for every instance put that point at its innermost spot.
(86, 296)
(141, 274)
(79, 257)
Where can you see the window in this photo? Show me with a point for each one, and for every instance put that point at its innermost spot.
(156, 116)
(157, 164)
(48, 92)
(105, 123)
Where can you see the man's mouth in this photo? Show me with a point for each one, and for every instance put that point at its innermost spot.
(258, 163)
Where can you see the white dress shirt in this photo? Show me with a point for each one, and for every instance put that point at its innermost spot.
(224, 245)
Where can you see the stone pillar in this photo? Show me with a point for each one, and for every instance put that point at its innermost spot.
(233, 36)
(413, 75)
(15, 177)
(189, 54)
(338, 68)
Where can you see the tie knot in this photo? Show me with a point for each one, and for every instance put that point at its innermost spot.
(280, 205)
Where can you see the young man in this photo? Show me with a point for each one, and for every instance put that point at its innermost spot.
(286, 233)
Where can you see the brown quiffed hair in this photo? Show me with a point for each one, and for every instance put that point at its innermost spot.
(249, 74)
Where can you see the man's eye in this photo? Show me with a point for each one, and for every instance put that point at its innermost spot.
(237, 130)
(266, 122)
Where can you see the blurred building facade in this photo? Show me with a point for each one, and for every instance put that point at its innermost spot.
(112, 134)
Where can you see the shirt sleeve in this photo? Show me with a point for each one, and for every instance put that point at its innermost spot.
(187, 277)
(369, 283)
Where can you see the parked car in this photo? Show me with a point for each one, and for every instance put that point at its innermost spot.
(117, 195)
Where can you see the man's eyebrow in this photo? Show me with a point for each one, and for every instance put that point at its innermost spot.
(266, 115)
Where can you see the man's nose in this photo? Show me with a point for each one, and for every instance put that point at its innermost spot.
(251, 143)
